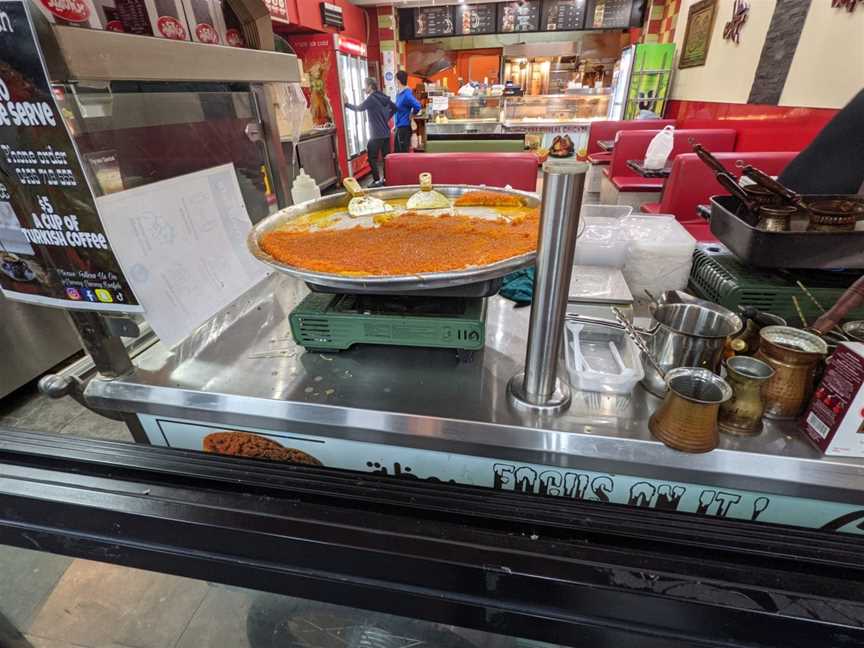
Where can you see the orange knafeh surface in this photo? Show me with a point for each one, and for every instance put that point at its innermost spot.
(410, 243)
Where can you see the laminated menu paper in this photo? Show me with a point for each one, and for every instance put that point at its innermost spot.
(182, 244)
(53, 249)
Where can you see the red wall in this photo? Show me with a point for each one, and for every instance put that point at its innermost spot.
(760, 127)
(306, 15)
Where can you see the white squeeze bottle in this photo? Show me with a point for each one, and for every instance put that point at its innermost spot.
(304, 188)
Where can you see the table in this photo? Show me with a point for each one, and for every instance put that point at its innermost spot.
(606, 145)
(388, 409)
(636, 165)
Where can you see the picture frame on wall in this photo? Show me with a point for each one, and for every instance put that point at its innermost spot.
(697, 37)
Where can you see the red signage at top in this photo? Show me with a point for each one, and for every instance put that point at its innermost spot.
(350, 46)
(68, 10)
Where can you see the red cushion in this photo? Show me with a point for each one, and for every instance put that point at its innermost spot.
(651, 208)
(600, 158)
(609, 128)
(692, 183)
(519, 170)
(637, 183)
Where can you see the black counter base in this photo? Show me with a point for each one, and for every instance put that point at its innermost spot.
(569, 572)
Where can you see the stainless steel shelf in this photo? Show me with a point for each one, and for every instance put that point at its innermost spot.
(255, 375)
(92, 55)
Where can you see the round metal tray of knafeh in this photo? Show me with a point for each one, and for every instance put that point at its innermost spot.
(387, 283)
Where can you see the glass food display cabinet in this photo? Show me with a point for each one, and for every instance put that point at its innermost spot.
(353, 71)
(469, 124)
(543, 118)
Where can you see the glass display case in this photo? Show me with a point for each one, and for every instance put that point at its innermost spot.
(466, 109)
(554, 110)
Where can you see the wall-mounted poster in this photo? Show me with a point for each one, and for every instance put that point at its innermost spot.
(475, 19)
(519, 16)
(433, 21)
(697, 37)
(563, 15)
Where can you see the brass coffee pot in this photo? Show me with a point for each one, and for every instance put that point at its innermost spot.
(742, 414)
(795, 356)
(687, 418)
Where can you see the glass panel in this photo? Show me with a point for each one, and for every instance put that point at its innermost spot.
(54, 601)
(351, 79)
(473, 109)
(129, 139)
(555, 108)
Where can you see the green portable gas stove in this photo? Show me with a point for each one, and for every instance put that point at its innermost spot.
(335, 322)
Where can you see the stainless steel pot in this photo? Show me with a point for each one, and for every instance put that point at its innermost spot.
(687, 335)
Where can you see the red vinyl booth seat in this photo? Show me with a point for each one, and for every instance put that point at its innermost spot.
(632, 145)
(600, 158)
(607, 130)
(519, 170)
(692, 183)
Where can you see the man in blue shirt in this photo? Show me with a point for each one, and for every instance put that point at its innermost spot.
(406, 105)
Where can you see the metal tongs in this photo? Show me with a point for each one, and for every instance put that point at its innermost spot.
(767, 182)
(360, 204)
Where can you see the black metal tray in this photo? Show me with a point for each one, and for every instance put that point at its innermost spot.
(794, 249)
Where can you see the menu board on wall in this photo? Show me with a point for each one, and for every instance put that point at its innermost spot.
(433, 21)
(610, 14)
(53, 248)
(475, 18)
(519, 16)
(563, 15)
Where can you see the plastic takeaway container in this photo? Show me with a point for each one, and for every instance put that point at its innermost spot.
(601, 358)
(602, 242)
(659, 254)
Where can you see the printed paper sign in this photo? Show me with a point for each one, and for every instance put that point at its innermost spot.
(182, 244)
(53, 249)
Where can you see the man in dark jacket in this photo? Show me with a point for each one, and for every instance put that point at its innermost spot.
(379, 109)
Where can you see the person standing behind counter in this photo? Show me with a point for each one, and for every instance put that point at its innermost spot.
(406, 105)
(380, 109)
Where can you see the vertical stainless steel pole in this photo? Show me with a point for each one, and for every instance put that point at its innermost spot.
(538, 386)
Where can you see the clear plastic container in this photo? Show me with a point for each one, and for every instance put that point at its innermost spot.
(603, 241)
(601, 358)
(659, 254)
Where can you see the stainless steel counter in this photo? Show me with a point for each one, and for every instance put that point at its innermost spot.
(243, 368)
(464, 128)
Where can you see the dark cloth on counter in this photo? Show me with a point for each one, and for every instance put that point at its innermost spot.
(833, 163)
(403, 139)
(518, 286)
(380, 109)
(380, 146)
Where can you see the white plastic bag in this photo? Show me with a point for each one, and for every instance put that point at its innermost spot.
(659, 148)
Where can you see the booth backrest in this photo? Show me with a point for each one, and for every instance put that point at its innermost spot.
(606, 130)
(632, 145)
(692, 183)
(519, 170)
